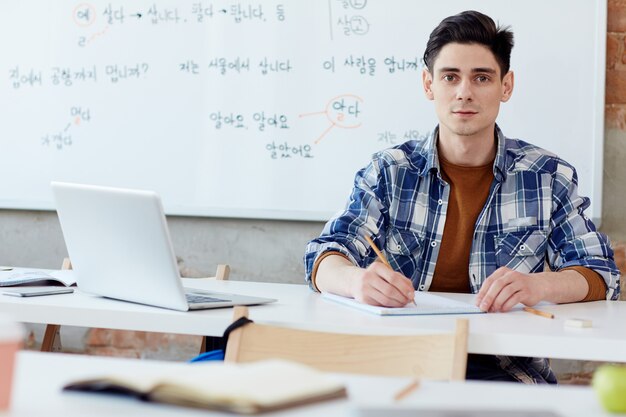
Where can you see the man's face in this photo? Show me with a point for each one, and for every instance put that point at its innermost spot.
(467, 89)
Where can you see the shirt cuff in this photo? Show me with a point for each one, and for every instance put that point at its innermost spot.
(597, 286)
(317, 264)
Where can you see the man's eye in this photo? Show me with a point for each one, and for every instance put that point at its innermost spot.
(448, 77)
(482, 78)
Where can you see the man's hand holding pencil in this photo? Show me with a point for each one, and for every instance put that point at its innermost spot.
(379, 284)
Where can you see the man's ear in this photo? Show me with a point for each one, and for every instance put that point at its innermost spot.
(508, 83)
(427, 81)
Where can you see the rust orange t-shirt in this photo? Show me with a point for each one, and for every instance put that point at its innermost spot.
(469, 189)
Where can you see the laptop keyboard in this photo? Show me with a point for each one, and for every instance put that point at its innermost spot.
(200, 299)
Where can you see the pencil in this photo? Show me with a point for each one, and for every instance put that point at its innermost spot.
(407, 390)
(382, 257)
(539, 312)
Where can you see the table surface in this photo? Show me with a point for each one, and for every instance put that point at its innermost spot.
(512, 333)
(40, 376)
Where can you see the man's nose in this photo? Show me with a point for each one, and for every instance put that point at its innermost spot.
(464, 91)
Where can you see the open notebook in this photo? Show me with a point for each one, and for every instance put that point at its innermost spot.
(426, 303)
(10, 277)
(247, 388)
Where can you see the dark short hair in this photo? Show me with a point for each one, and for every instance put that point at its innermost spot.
(471, 27)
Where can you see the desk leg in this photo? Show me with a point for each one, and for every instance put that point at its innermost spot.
(52, 338)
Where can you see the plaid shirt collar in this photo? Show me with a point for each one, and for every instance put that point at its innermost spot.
(429, 150)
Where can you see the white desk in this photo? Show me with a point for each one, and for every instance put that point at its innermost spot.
(513, 333)
(42, 395)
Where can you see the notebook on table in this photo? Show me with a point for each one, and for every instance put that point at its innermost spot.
(246, 388)
(120, 248)
(425, 303)
(14, 277)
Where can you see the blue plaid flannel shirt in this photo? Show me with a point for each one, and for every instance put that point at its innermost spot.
(533, 216)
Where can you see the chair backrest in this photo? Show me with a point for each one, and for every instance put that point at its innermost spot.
(222, 272)
(66, 264)
(432, 356)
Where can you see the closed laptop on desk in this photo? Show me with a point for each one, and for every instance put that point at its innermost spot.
(120, 248)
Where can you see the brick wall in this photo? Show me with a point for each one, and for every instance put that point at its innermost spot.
(145, 345)
(616, 65)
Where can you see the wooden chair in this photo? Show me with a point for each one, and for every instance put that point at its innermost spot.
(432, 356)
(52, 335)
(222, 272)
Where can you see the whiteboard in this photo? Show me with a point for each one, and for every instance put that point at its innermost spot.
(266, 109)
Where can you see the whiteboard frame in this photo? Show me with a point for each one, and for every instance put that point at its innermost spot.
(600, 103)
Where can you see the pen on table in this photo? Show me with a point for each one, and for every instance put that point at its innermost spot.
(381, 256)
(539, 312)
(407, 390)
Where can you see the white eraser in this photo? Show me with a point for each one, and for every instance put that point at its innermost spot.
(577, 323)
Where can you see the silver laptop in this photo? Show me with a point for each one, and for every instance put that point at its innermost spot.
(120, 248)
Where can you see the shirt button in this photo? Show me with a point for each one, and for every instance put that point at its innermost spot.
(522, 247)
(422, 287)
(398, 247)
(440, 201)
(433, 244)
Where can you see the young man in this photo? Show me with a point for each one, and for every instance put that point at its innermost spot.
(467, 209)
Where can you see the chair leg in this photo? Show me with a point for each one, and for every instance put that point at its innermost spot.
(51, 339)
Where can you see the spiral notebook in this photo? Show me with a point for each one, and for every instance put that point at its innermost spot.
(425, 303)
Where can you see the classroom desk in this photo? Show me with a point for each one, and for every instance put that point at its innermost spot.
(42, 395)
(513, 333)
